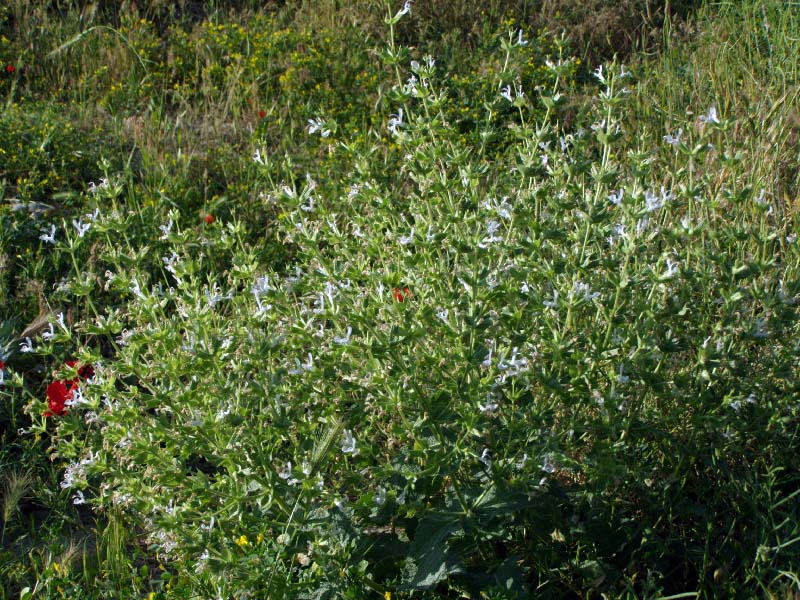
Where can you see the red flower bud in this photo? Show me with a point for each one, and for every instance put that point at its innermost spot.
(209, 219)
(262, 114)
(10, 68)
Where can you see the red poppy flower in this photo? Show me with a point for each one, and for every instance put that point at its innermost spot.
(84, 372)
(209, 219)
(262, 114)
(401, 295)
(57, 395)
(61, 390)
(10, 68)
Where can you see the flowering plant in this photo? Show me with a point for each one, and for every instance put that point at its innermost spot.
(573, 377)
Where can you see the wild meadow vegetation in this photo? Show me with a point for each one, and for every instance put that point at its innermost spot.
(384, 300)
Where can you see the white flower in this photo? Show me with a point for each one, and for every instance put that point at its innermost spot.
(622, 378)
(407, 239)
(76, 399)
(73, 471)
(201, 561)
(405, 10)
(411, 84)
(674, 140)
(616, 197)
(96, 188)
(81, 226)
(137, 291)
(490, 405)
(515, 365)
(301, 368)
(617, 231)
(671, 268)
(170, 262)
(208, 527)
(395, 121)
(380, 496)
(26, 346)
(598, 72)
(582, 289)
(711, 117)
(48, 335)
(486, 458)
(442, 314)
(50, 238)
(491, 228)
(165, 229)
(520, 463)
(262, 286)
(487, 362)
(506, 93)
(548, 466)
(345, 339)
(286, 473)
(520, 40)
(349, 443)
(554, 302)
(652, 202)
(318, 124)
(79, 499)
(213, 296)
(260, 158)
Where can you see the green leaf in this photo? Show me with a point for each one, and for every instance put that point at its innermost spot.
(429, 560)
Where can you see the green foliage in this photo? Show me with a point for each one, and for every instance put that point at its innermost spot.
(47, 151)
(432, 326)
